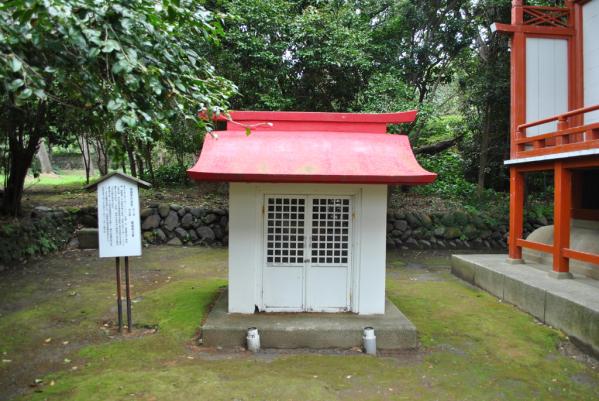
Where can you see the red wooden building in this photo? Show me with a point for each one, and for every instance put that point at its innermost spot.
(555, 121)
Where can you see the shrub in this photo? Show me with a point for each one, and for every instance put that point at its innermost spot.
(450, 182)
(170, 174)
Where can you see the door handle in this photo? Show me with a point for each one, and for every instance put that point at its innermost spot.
(306, 260)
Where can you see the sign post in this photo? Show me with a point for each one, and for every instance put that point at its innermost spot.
(119, 300)
(119, 228)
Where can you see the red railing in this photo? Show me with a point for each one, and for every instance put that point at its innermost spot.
(567, 252)
(567, 138)
(546, 16)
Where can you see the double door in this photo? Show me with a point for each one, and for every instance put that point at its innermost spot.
(307, 253)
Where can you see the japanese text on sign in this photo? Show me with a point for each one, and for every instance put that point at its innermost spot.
(118, 218)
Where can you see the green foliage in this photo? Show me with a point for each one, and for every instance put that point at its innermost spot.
(483, 88)
(137, 61)
(252, 52)
(183, 138)
(287, 55)
(131, 75)
(387, 92)
(340, 56)
(441, 128)
(80, 67)
(421, 40)
(170, 174)
(450, 182)
(329, 50)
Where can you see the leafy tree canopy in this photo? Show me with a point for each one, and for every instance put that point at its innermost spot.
(138, 60)
(137, 63)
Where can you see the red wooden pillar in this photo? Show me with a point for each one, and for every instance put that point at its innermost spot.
(518, 116)
(516, 213)
(517, 91)
(561, 219)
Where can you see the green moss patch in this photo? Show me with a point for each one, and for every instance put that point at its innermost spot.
(473, 346)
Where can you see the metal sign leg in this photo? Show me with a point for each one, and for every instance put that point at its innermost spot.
(119, 301)
(128, 291)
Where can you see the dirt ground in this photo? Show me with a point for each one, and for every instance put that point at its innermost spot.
(57, 340)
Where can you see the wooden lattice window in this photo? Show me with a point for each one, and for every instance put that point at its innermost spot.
(285, 236)
(331, 219)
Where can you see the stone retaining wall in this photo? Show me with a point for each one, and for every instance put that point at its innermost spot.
(440, 231)
(46, 230)
(185, 225)
(179, 225)
(455, 230)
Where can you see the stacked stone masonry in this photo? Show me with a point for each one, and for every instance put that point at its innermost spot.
(184, 225)
(209, 226)
(453, 230)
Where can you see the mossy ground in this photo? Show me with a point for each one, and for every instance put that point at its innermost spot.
(473, 346)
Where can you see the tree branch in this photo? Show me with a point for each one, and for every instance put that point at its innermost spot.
(438, 147)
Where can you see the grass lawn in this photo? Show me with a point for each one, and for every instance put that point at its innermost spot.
(66, 177)
(474, 347)
(67, 190)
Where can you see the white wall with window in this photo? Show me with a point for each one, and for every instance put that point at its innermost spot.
(307, 248)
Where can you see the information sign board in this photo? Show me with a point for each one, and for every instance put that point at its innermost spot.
(119, 229)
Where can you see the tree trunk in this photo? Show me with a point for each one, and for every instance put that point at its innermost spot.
(139, 159)
(13, 193)
(437, 147)
(21, 159)
(85, 155)
(92, 170)
(140, 165)
(24, 131)
(44, 158)
(101, 156)
(484, 150)
(130, 156)
(148, 157)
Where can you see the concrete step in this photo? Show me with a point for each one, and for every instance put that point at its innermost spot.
(571, 305)
(308, 330)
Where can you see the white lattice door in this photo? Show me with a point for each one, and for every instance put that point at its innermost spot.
(307, 253)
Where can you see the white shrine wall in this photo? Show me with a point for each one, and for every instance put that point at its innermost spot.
(590, 23)
(546, 82)
(246, 201)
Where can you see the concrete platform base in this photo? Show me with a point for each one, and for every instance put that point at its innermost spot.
(308, 330)
(569, 305)
(561, 275)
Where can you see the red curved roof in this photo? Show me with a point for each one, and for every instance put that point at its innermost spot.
(318, 148)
